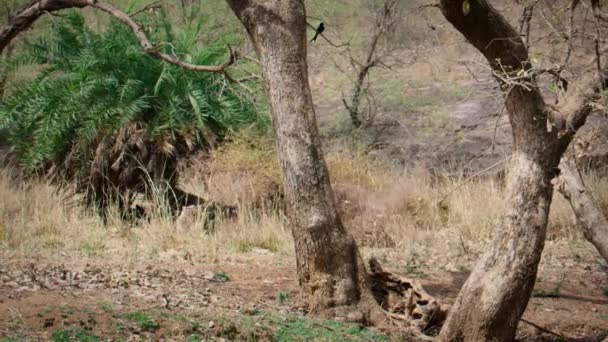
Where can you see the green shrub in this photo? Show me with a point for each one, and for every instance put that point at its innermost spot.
(112, 119)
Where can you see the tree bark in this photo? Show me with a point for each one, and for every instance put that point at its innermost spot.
(496, 294)
(330, 269)
(589, 217)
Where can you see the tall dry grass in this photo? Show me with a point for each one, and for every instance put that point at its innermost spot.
(33, 219)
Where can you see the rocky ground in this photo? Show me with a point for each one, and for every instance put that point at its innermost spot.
(253, 296)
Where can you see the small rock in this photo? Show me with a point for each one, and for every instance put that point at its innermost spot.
(355, 317)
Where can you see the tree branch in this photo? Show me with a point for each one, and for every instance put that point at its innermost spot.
(589, 217)
(327, 39)
(577, 106)
(27, 15)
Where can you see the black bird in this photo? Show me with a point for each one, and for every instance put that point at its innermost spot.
(320, 30)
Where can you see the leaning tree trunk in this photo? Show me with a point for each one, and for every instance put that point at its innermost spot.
(330, 269)
(589, 217)
(496, 294)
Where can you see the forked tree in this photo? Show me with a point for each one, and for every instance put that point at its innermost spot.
(495, 296)
(330, 269)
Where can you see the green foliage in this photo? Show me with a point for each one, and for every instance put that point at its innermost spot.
(282, 297)
(100, 105)
(193, 338)
(144, 321)
(78, 335)
(221, 277)
(301, 329)
(94, 84)
(8, 339)
(605, 291)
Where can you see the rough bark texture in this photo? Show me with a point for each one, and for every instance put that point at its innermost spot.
(330, 269)
(496, 294)
(588, 216)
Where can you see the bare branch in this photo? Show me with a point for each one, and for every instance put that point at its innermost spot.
(327, 39)
(525, 20)
(588, 216)
(385, 21)
(595, 5)
(576, 108)
(151, 6)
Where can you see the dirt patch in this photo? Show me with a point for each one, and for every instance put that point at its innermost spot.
(255, 296)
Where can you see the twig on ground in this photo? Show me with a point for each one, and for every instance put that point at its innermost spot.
(545, 330)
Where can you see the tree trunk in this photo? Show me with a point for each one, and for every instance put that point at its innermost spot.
(330, 269)
(588, 216)
(496, 294)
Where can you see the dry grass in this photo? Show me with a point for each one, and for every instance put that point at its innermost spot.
(33, 220)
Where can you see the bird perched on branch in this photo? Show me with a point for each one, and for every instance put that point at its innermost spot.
(319, 30)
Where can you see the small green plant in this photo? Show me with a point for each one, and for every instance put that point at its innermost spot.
(462, 268)
(282, 297)
(79, 335)
(303, 329)
(605, 291)
(221, 277)
(144, 321)
(193, 338)
(106, 306)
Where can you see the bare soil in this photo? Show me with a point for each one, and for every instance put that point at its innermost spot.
(254, 296)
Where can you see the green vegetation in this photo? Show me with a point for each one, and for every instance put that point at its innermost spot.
(143, 320)
(106, 116)
(282, 297)
(77, 335)
(304, 329)
(221, 276)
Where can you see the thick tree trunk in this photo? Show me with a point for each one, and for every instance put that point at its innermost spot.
(589, 217)
(496, 294)
(330, 268)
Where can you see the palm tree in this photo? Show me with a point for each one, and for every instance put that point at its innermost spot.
(114, 121)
